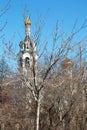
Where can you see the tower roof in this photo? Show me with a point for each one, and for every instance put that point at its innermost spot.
(67, 63)
(27, 21)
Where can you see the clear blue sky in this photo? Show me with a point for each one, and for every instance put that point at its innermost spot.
(66, 10)
(62, 10)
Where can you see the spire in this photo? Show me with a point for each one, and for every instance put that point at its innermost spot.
(27, 27)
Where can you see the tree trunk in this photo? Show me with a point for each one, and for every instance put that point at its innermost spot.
(37, 114)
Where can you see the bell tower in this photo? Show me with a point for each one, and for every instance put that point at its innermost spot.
(27, 54)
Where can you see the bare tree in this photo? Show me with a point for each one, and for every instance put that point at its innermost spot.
(37, 82)
(46, 95)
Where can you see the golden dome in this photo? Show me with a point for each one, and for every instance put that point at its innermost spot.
(27, 21)
(67, 63)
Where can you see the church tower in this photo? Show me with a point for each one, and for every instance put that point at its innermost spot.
(27, 54)
(67, 65)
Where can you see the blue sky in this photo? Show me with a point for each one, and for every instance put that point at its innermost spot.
(62, 10)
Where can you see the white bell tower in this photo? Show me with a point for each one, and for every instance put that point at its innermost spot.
(27, 54)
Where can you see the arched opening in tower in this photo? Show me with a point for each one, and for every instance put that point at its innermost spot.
(27, 62)
(20, 62)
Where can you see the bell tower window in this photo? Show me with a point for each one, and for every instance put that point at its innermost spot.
(27, 62)
(20, 61)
